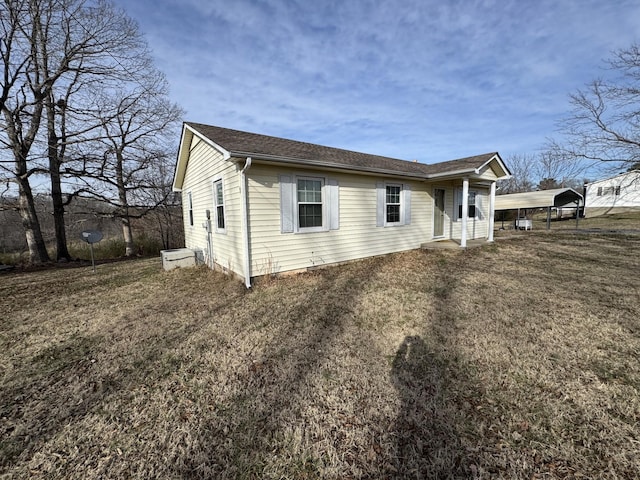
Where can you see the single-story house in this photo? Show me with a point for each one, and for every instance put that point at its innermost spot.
(613, 195)
(257, 205)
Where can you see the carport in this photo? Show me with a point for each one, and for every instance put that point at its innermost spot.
(557, 197)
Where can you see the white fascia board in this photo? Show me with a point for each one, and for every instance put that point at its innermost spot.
(454, 173)
(181, 161)
(183, 154)
(502, 165)
(225, 153)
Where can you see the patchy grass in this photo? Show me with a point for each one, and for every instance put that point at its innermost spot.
(516, 361)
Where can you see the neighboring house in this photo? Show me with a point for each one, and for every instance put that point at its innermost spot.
(612, 195)
(279, 205)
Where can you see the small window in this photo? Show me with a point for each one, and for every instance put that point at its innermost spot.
(309, 200)
(599, 194)
(392, 203)
(190, 200)
(618, 190)
(218, 193)
(471, 212)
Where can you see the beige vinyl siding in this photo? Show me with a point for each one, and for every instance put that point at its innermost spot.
(488, 174)
(476, 228)
(357, 237)
(206, 165)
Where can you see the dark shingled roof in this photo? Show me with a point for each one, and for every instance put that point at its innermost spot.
(239, 143)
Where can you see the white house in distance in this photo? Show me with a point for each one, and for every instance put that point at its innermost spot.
(613, 195)
(257, 205)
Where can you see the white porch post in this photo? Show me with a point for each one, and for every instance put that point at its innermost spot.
(492, 211)
(465, 212)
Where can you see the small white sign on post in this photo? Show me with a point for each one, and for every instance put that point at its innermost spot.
(91, 237)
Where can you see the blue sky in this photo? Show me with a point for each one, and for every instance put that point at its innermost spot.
(416, 79)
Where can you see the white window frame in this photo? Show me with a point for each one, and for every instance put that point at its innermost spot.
(216, 205)
(190, 214)
(323, 201)
(400, 204)
(458, 203)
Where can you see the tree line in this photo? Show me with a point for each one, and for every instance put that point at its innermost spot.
(83, 113)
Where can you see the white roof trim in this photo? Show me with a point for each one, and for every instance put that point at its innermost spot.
(183, 154)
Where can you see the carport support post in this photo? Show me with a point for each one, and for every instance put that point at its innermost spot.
(577, 213)
(548, 218)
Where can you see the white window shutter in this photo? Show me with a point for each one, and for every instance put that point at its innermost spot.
(380, 214)
(334, 204)
(406, 192)
(287, 208)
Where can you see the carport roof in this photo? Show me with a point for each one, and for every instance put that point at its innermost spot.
(557, 197)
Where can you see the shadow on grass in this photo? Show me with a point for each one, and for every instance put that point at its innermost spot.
(68, 380)
(264, 429)
(438, 392)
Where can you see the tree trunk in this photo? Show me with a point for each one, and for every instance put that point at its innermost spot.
(127, 233)
(58, 216)
(35, 241)
(56, 186)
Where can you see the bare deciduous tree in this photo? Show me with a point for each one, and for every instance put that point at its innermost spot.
(57, 54)
(604, 123)
(522, 174)
(557, 168)
(136, 125)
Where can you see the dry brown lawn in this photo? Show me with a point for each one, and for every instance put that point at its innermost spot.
(516, 360)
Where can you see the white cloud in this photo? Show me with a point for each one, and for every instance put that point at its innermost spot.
(438, 78)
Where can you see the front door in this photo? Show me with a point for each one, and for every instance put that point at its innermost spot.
(438, 212)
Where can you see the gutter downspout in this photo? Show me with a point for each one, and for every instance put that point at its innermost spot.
(245, 223)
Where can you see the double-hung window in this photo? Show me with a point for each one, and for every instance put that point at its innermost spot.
(392, 204)
(472, 212)
(218, 195)
(308, 204)
(309, 201)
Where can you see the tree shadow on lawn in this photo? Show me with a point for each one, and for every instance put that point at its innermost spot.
(265, 429)
(261, 431)
(439, 393)
(69, 380)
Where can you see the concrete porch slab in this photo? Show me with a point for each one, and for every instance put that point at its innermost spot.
(453, 244)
